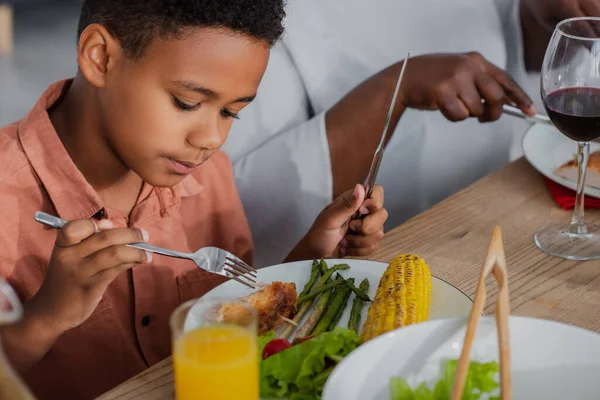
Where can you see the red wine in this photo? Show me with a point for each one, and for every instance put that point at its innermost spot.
(575, 112)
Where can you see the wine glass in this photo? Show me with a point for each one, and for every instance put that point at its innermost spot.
(570, 89)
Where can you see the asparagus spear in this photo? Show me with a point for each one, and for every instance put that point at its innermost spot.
(361, 294)
(329, 273)
(325, 279)
(318, 290)
(335, 309)
(323, 266)
(336, 319)
(340, 311)
(315, 315)
(357, 306)
(303, 309)
(314, 274)
(321, 303)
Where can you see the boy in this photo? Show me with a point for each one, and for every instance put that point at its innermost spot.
(128, 151)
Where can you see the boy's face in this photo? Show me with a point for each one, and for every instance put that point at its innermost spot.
(171, 110)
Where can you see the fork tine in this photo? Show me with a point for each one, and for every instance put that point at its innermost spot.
(240, 277)
(240, 274)
(242, 282)
(239, 270)
(241, 264)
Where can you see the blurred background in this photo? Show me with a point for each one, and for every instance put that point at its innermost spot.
(43, 51)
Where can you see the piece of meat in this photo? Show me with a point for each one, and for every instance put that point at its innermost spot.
(569, 170)
(276, 300)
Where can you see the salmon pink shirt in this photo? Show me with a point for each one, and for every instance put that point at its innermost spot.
(129, 330)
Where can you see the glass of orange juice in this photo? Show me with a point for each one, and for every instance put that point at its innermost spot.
(215, 359)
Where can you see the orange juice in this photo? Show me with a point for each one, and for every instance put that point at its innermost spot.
(216, 362)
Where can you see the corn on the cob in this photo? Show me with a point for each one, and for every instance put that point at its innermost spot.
(402, 298)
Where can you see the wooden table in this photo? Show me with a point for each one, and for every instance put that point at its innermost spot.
(453, 237)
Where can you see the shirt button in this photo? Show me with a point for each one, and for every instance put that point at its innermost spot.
(145, 321)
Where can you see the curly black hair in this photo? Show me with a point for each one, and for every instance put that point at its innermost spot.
(135, 23)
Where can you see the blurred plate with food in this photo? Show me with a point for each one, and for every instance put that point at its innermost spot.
(554, 156)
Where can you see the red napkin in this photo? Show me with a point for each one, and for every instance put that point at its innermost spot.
(565, 197)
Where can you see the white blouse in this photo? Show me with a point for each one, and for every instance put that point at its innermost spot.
(279, 148)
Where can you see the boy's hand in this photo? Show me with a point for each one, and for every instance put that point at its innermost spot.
(83, 263)
(456, 84)
(334, 234)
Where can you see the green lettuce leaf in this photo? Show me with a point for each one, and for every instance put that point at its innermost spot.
(400, 389)
(300, 372)
(481, 379)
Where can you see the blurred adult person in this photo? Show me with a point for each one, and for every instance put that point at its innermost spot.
(313, 130)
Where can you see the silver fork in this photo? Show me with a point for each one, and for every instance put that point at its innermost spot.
(210, 259)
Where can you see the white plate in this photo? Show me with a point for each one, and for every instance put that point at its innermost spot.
(446, 300)
(547, 149)
(549, 360)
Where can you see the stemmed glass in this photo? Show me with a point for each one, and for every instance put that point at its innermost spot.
(570, 88)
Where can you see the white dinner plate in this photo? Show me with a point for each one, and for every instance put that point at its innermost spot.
(549, 360)
(547, 149)
(446, 300)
